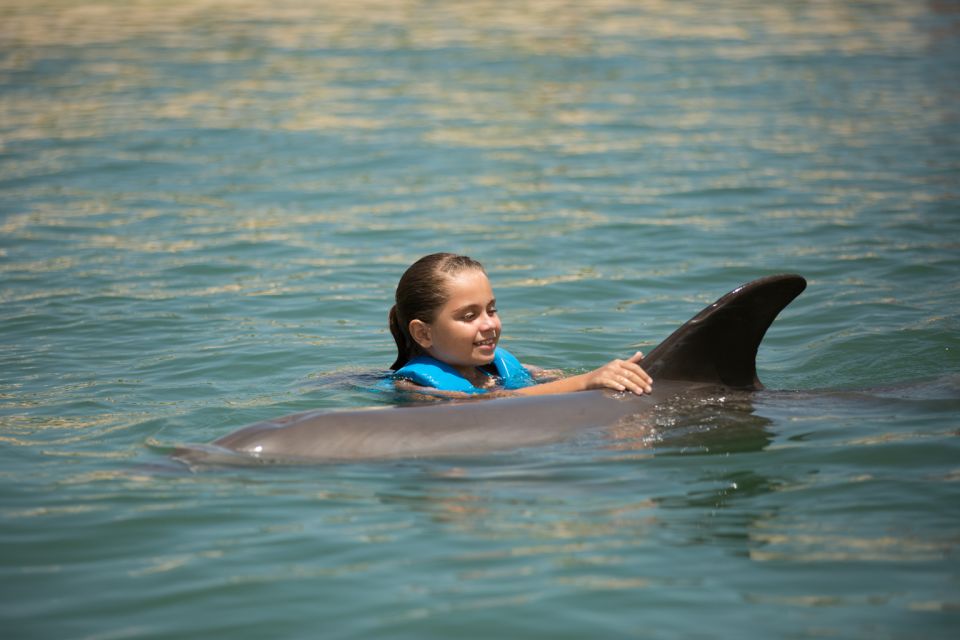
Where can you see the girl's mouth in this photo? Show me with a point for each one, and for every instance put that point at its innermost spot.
(484, 344)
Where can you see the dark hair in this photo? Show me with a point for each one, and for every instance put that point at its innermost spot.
(420, 294)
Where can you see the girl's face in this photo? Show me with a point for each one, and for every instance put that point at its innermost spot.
(466, 330)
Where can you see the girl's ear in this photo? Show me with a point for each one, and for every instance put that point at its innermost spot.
(420, 332)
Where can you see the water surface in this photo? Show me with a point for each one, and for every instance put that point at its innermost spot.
(205, 206)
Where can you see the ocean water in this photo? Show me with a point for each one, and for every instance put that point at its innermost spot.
(205, 206)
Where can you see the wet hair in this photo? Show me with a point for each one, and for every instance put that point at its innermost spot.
(421, 292)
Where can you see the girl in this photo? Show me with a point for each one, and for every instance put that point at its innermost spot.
(447, 330)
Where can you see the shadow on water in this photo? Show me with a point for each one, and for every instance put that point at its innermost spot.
(666, 459)
(720, 423)
(705, 439)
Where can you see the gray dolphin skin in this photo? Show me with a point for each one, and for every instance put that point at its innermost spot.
(714, 350)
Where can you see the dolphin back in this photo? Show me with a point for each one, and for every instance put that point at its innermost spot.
(719, 345)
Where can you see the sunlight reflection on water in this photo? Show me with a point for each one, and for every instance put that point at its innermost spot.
(206, 205)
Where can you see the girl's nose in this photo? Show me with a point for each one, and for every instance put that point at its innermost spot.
(488, 322)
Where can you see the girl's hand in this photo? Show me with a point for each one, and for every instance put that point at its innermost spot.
(621, 375)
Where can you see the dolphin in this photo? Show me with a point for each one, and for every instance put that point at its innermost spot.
(713, 351)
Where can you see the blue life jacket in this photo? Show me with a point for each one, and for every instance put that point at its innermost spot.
(430, 372)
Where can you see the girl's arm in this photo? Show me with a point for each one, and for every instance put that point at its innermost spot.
(619, 375)
(539, 373)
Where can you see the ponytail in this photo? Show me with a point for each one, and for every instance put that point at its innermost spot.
(401, 335)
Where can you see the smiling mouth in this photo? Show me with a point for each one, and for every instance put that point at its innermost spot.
(492, 342)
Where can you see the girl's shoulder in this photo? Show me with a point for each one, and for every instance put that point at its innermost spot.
(430, 372)
(511, 370)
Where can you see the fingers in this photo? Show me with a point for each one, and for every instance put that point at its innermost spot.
(637, 382)
(621, 375)
(627, 375)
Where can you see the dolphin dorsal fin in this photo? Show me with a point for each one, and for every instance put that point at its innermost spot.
(719, 344)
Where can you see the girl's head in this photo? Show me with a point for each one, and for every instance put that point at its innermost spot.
(445, 308)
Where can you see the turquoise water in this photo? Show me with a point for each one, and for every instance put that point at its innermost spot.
(206, 206)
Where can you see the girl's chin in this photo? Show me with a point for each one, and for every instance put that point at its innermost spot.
(485, 353)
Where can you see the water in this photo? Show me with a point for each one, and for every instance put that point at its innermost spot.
(206, 206)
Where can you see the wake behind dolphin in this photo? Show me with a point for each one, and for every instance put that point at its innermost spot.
(714, 350)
